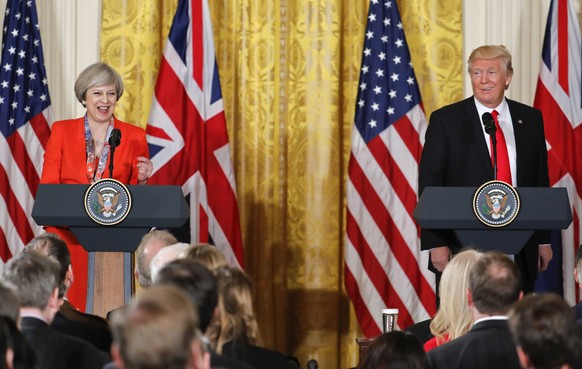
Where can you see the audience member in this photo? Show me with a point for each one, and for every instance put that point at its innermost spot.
(395, 350)
(200, 285)
(69, 320)
(578, 278)
(164, 256)
(454, 317)
(158, 330)
(23, 357)
(6, 352)
(150, 244)
(237, 334)
(22, 354)
(35, 279)
(205, 254)
(9, 305)
(494, 285)
(545, 333)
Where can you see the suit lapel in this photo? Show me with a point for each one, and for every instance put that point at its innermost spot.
(520, 130)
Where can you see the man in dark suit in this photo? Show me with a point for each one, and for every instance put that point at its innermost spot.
(457, 152)
(69, 320)
(494, 285)
(35, 279)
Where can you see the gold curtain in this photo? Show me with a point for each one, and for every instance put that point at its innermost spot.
(289, 73)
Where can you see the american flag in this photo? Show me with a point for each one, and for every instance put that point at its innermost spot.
(25, 118)
(187, 131)
(384, 266)
(559, 97)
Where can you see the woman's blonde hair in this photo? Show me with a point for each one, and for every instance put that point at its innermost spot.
(235, 304)
(454, 316)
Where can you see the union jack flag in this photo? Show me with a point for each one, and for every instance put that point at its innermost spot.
(384, 266)
(25, 118)
(187, 131)
(559, 97)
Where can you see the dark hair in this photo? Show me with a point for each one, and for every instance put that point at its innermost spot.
(197, 282)
(24, 357)
(545, 328)
(395, 350)
(5, 344)
(494, 283)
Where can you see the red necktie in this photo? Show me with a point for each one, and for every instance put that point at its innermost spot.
(503, 169)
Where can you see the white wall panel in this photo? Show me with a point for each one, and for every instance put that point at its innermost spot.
(517, 24)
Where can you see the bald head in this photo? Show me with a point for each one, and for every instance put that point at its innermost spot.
(165, 256)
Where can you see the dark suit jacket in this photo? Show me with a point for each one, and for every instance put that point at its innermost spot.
(90, 328)
(455, 153)
(487, 345)
(225, 362)
(577, 310)
(55, 350)
(421, 330)
(258, 357)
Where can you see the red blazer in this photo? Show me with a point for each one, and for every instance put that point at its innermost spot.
(65, 158)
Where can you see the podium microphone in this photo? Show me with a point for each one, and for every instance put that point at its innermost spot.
(114, 141)
(490, 129)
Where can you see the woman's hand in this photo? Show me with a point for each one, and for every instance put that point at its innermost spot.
(145, 169)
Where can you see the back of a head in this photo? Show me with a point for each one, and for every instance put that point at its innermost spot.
(197, 281)
(494, 283)
(156, 330)
(454, 315)
(166, 255)
(544, 327)
(9, 304)
(205, 254)
(33, 277)
(151, 243)
(395, 350)
(53, 246)
(236, 306)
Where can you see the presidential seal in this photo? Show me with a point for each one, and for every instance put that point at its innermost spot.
(496, 203)
(107, 201)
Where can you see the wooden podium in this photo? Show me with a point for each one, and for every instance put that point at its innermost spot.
(110, 247)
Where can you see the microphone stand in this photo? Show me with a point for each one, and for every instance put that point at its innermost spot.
(112, 149)
(494, 141)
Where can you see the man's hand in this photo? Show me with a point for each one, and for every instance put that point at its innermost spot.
(440, 256)
(545, 257)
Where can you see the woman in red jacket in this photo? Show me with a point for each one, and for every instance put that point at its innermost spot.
(78, 153)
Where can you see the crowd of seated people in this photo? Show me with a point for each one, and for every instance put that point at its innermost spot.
(40, 329)
(197, 313)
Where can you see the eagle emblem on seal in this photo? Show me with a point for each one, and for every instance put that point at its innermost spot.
(497, 204)
(108, 203)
